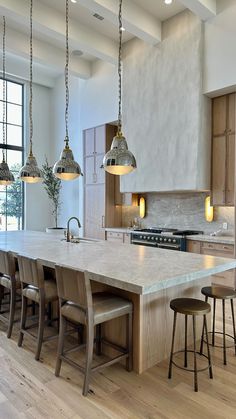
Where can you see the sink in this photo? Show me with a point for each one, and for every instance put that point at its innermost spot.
(81, 240)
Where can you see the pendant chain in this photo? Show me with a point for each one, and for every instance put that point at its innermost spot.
(119, 67)
(67, 72)
(31, 78)
(4, 86)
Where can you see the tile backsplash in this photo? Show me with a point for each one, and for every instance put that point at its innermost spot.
(179, 210)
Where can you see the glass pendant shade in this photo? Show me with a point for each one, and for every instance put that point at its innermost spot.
(30, 172)
(6, 177)
(119, 160)
(67, 168)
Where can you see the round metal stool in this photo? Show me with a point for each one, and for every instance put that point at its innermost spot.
(220, 293)
(190, 307)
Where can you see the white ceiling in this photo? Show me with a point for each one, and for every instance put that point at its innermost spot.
(97, 39)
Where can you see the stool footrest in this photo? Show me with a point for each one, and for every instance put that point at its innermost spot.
(189, 369)
(221, 346)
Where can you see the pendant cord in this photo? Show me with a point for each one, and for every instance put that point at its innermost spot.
(120, 67)
(67, 73)
(31, 78)
(4, 87)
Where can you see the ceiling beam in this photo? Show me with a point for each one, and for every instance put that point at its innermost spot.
(45, 55)
(205, 9)
(48, 21)
(136, 20)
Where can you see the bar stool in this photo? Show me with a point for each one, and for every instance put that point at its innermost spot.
(190, 307)
(9, 279)
(36, 289)
(220, 293)
(79, 306)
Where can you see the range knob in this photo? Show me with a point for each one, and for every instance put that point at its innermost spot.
(165, 240)
(156, 239)
(174, 241)
(153, 238)
(148, 237)
(169, 240)
(161, 239)
(140, 237)
(144, 237)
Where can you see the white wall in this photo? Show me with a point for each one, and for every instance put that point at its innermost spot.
(99, 96)
(220, 50)
(37, 209)
(71, 194)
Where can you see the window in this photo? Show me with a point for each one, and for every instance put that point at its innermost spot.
(12, 197)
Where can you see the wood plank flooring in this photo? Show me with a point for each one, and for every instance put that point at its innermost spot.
(29, 389)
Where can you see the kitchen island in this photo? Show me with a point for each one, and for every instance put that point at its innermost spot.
(149, 277)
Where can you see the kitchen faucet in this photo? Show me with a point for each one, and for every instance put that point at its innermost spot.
(68, 227)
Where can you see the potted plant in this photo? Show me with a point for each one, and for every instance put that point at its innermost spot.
(52, 186)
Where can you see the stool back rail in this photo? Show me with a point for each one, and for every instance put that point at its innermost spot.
(9, 279)
(79, 305)
(190, 307)
(223, 294)
(35, 288)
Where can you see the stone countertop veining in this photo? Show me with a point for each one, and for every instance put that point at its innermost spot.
(125, 230)
(212, 239)
(138, 269)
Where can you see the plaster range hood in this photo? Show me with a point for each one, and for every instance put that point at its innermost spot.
(166, 116)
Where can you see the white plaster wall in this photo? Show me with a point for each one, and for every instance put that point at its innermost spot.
(37, 209)
(71, 194)
(99, 96)
(220, 50)
(163, 110)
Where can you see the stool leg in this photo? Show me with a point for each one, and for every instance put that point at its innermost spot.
(208, 348)
(233, 319)
(224, 343)
(41, 328)
(195, 354)
(129, 341)
(89, 358)
(98, 339)
(23, 320)
(12, 310)
(172, 345)
(186, 342)
(214, 321)
(60, 348)
(202, 337)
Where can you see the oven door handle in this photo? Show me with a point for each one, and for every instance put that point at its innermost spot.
(144, 243)
(169, 246)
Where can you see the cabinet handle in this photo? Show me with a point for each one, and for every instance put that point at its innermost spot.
(94, 178)
(225, 247)
(103, 221)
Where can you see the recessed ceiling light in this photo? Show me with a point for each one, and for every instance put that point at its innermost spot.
(77, 52)
(122, 29)
(73, 1)
(166, 1)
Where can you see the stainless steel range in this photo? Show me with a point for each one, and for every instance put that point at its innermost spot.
(165, 238)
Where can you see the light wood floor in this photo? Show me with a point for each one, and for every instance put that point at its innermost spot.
(29, 389)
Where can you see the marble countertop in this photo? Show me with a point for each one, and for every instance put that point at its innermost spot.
(212, 239)
(120, 229)
(139, 269)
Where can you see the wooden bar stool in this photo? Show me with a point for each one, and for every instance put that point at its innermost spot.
(220, 293)
(36, 289)
(9, 279)
(79, 306)
(190, 307)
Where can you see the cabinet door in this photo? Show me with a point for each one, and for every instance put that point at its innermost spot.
(89, 142)
(231, 113)
(100, 139)
(193, 246)
(219, 115)
(230, 170)
(89, 170)
(218, 170)
(95, 211)
(99, 171)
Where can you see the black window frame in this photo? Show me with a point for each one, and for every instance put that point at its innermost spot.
(15, 147)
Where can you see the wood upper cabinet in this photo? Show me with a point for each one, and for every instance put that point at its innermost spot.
(223, 150)
(99, 187)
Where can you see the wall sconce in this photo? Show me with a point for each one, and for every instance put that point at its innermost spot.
(142, 207)
(209, 210)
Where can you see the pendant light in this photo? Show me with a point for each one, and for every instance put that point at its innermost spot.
(30, 172)
(6, 177)
(119, 160)
(67, 168)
